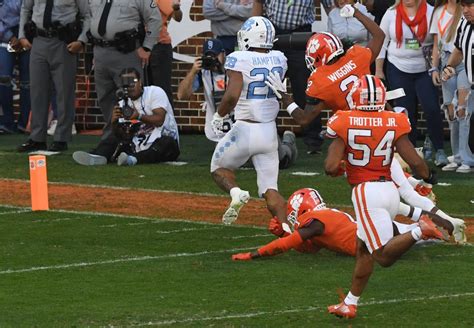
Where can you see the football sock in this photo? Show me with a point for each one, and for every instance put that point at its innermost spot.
(351, 299)
(409, 211)
(443, 215)
(235, 192)
(416, 233)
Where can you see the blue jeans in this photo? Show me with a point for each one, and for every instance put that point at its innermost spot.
(459, 127)
(418, 88)
(7, 62)
(465, 155)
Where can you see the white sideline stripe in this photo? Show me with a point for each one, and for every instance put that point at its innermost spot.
(248, 236)
(123, 260)
(59, 220)
(136, 217)
(15, 212)
(308, 309)
(188, 229)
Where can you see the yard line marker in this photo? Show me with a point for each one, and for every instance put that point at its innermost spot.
(123, 260)
(308, 309)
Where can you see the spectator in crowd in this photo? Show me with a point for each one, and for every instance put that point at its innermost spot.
(254, 134)
(226, 18)
(328, 5)
(212, 79)
(161, 59)
(349, 29)
(56, 37)
(10, 52)
(119, 40)
(463, 45)
(455, 90)
(289, 17)
(406, 27)
(149, 135)
(378, 8)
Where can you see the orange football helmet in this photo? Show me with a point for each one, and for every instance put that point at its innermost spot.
(368, 93)
(302, 201)
(321, 48)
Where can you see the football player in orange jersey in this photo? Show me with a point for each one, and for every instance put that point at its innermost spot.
(334, 70)
(314, 227)
(365, 137)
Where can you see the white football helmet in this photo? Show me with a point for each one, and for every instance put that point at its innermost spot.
(256, 32)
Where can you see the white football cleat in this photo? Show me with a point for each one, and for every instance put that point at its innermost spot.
(459, 233)
(236, 204)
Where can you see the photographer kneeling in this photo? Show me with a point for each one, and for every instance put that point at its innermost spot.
(145, 130)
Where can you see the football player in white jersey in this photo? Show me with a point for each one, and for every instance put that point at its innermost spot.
(254, 134)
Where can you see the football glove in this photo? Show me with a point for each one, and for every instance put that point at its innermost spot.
(275, 227)
(275, 83)
(217, 124)
(242, 257)
(432, 179)
(347, 11)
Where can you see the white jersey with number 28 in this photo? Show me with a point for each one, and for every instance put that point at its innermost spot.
(257, 101)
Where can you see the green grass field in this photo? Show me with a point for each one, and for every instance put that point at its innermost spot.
(63, 269)
(86, 269)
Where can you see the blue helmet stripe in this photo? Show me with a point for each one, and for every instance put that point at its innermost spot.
(268, 26)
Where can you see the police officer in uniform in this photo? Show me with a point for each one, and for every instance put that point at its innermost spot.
(117, 33)
(55, 33)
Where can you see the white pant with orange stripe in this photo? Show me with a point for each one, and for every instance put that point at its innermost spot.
(376, 205)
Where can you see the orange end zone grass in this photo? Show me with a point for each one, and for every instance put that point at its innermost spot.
(146, 203)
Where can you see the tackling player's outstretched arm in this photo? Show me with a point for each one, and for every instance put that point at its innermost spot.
(332, 164)
(305, 116)
(281, 245)
(232, 93)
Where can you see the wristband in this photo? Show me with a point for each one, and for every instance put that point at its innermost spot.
(416, 214)
(432, 69)
(291, 108)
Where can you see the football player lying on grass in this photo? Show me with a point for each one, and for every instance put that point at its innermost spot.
(315, 227)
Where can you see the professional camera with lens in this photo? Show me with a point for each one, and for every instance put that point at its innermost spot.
(210, 62)
(122, 95)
